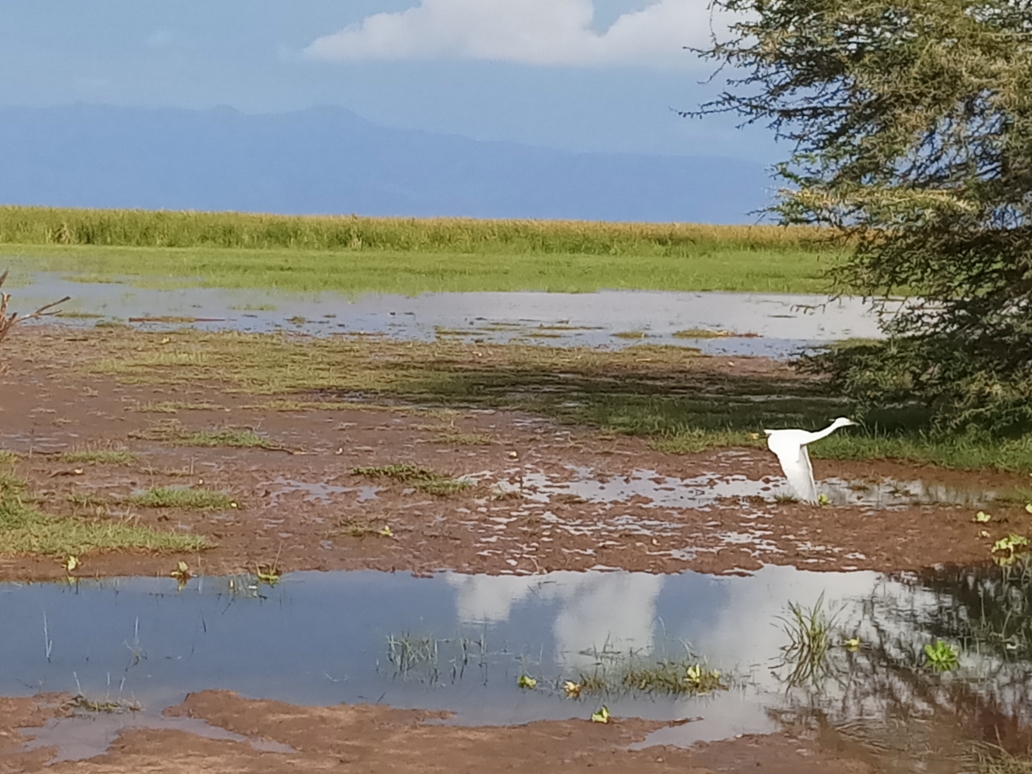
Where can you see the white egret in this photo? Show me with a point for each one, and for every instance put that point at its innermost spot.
(790, 446)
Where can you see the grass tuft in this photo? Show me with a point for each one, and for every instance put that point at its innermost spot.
(423, 479)
(171, 431)
(703, 333)
(184, 498)
(464, 439)
(87, 499)
(809, 642)
(122, 457)
(24, 530)
(359, 528)
(617, 673)
(82, 704)
(244, 438)
(174, 407)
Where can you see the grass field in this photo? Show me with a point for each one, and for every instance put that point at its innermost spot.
(26, 530)
(351, 255)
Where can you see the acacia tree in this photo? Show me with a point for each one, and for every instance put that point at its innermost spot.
(910, 128)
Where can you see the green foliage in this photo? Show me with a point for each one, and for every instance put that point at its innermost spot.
(958, 387)
(142, 228)
(911, 125)
(941, 657)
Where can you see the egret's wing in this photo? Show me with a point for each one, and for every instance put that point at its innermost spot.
(804, 480)
(795, 463)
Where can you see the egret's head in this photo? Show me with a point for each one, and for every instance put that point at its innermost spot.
(843, 422)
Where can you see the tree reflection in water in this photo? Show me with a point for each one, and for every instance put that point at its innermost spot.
(883, 699)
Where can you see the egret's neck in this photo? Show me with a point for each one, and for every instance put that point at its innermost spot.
(826, 431)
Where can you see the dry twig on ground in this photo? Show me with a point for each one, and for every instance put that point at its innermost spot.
(7, 321)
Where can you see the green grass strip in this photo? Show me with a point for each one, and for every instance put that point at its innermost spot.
(25, 530)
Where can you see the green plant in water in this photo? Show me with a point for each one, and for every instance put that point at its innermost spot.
(1010, 544)
(616, 672)
(702, 680)
(809, 642)
(572, 689)
(268, 574)
(182, 574)
(80, 703)
(941, 657)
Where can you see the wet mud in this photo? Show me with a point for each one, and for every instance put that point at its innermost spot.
(541, 496)
(381, 739)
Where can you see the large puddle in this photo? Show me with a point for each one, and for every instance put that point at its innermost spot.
(717, 323)
(461, 643)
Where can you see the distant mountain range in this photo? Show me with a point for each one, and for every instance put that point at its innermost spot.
(330, 161)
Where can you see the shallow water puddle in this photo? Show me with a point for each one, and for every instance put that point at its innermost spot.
(775, 325)
(81, 737)
(315, 492)
(653, 490)
(461, 643)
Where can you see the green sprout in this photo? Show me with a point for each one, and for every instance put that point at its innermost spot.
(941, 657)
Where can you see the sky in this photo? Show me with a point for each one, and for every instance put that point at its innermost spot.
(584, 75)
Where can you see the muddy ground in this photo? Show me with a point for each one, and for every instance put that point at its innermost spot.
(302, 506)
(381, 739)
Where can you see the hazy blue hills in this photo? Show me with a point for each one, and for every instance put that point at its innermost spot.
(328, 160)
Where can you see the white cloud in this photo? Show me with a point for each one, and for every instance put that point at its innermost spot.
(539, 32)
(597, 610)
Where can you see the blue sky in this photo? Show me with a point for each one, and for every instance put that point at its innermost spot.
(571, 74)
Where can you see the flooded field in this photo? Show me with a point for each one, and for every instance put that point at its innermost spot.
(402, 540)
(741, 324)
